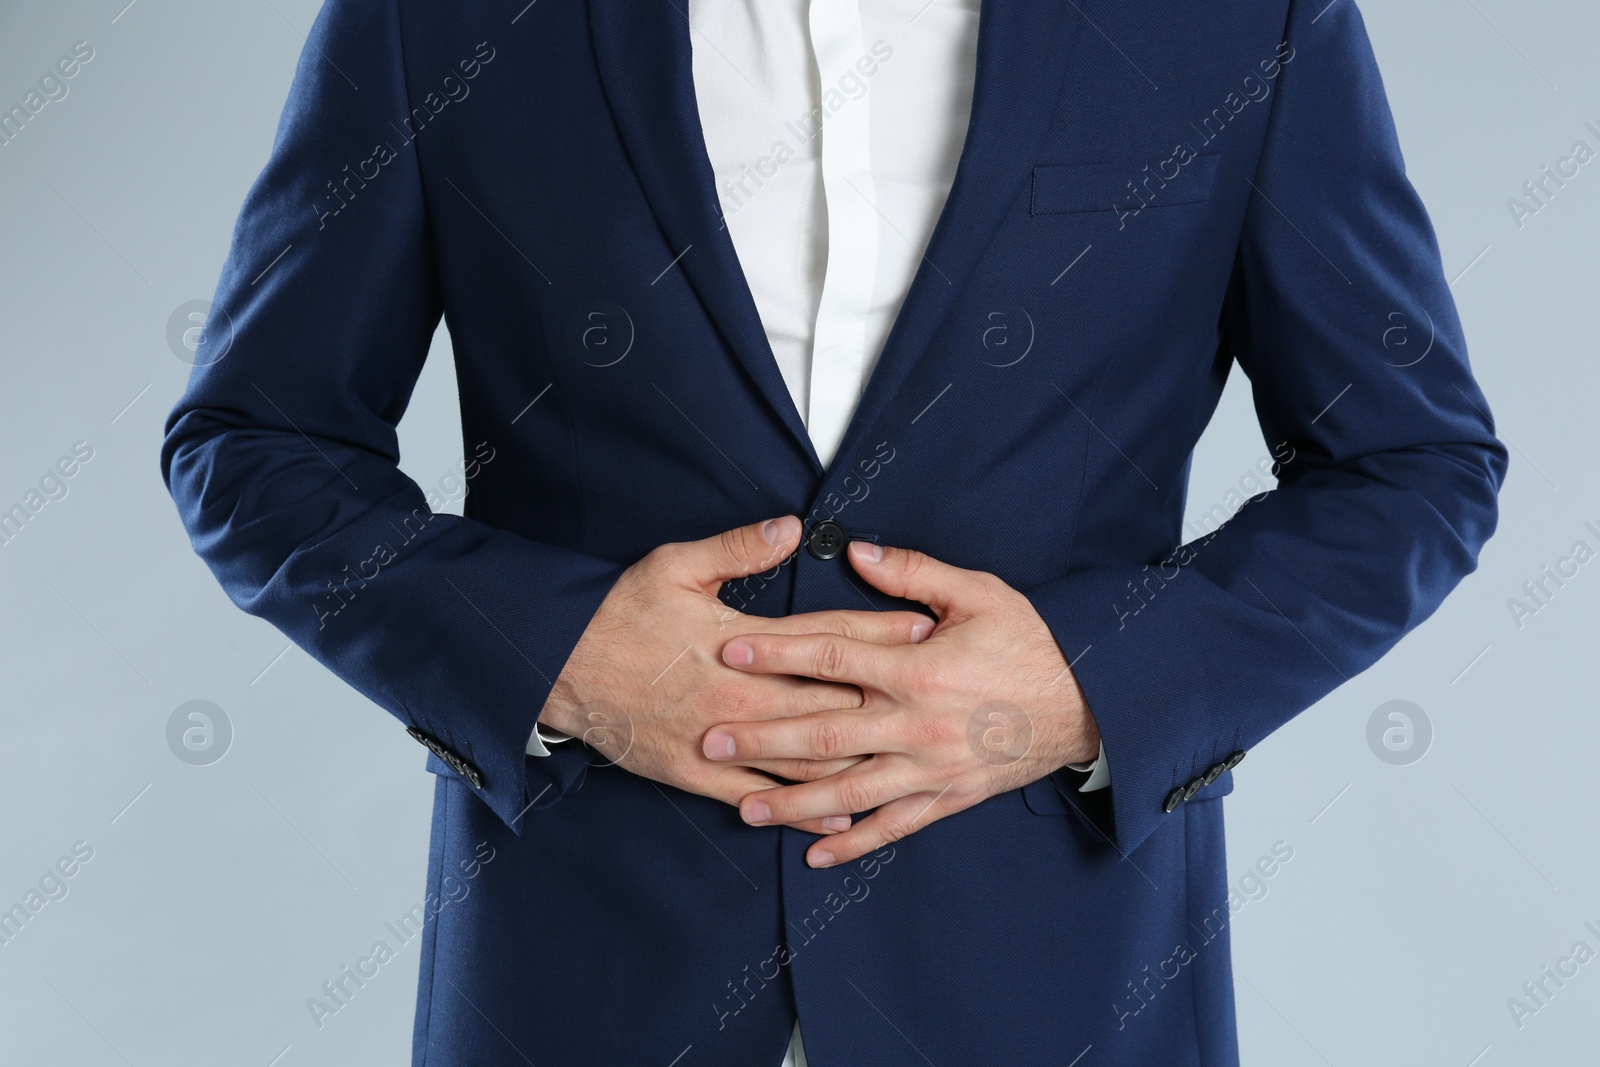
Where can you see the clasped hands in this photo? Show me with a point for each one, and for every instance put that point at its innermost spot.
(808, 720)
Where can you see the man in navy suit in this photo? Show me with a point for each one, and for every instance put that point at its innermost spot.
(795, 670)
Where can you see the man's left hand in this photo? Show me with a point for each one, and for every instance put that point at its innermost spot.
(986, 704)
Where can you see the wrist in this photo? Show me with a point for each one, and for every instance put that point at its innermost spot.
(1081, 742)
(559, 711)
(1091, 737)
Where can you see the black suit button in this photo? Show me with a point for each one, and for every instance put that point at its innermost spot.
(1193, 787)
(1217, 771)
(451, 760)
(1174, 798)
(469, 772)
(1234, 760)
(827, 540)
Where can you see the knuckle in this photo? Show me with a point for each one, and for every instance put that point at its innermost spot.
(828, 739)
(751, 745)
(667, 559)
(915, 565)
(731, 542)
(844, 625)
(718, 789)
(795, 770)
(998, 592)
(828, 697)
(805, 770)
(854, 796)
(831, 660)
(894, 829)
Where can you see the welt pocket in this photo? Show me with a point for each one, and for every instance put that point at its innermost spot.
(1072, 188)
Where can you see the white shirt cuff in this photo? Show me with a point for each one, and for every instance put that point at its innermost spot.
(1099, 772)
(544, 736)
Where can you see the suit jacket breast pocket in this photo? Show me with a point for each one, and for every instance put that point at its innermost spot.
(1074, 188)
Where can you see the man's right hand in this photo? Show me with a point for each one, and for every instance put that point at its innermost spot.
(646, 680)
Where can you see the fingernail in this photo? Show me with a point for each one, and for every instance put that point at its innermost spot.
(920, 630)
(836, 823)
(718, 745)
(738, 654)
(778, 531)
(757, 813)
(866, 551)
(821, 858)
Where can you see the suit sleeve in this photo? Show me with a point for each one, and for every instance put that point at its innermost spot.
(1391, 489)
(282, 455)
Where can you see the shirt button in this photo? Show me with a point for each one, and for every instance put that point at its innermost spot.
(826, 541)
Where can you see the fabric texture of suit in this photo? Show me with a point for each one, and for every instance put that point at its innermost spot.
(521, 174)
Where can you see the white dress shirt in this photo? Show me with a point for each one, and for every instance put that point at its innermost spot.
(833, 128)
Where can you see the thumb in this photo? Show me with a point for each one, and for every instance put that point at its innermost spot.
(913, 575)
(739, 552)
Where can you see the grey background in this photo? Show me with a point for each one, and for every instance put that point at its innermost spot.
(219, 898)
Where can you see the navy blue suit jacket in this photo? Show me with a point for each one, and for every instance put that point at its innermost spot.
(1221, 185)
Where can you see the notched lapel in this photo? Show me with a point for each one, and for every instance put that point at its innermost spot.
(642, 48)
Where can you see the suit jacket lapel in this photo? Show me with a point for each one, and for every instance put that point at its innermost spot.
(1024, 48)
(645, 63)
(643, 52)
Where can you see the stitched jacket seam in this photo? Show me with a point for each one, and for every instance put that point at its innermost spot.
(433, 937)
